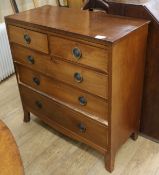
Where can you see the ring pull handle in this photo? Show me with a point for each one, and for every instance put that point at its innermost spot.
(27, 39)
(38, 104)
(30, 59)
(36, 81)
(76, 53)
(78, 77)
(83, 101)
(82, 127)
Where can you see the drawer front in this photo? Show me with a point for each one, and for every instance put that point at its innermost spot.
(28, 38)
(79, 53)
(69, 119)
(88, 80)
(71, 96)
(30, 58)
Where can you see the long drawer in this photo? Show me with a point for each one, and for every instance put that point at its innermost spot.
(80, 125)
(88, 80)
(79, 52)
(28, 38)
(75, 98)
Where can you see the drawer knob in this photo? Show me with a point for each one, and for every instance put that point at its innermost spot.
(30, 59)
(76, 53)
(82, 127)
(36, 81)
(38, 104)
(27, 39)
(82, 101)
(78, 77)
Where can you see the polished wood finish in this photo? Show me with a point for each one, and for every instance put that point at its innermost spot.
(11, 163)
(93, 82)
(64, 71)
(125, 119)
(63, 48)
(38, 41)
(147, 9)
(69, 96)
(93, 29)
(49, 82)
(63, 117)
(20, 55)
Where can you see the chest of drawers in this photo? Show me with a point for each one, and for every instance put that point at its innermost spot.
(81, 76)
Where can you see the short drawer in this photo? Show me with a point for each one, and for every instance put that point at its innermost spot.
(79, 124)
(82, 78)
(28, 38)
(97, 107)
(79, 53)
(30, 58)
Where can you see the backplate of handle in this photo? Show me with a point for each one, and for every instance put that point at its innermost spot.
(36, 81)
(83, 101)
(76, 52)
(78, 77)
(38, 104)
(30, 59)
(27, 39)
(82, 127)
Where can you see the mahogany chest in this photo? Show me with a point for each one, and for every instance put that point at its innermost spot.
(81, 73)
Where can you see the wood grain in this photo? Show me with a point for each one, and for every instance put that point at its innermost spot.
(61, 20)
(147, 9)
(53, 114)
(11, 163)
(90, 56)
(124, 119)
(64, 71)
(93, 82)
(38, 40)
(97, 107)
(124, 52)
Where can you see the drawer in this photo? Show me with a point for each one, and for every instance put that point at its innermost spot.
(78, 124)
(28, 38)
(30, 58)
(75, 98)
(79, 53)
(88, 80)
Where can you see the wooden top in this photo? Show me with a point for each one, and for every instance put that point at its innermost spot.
(10, 161)
(98, 26)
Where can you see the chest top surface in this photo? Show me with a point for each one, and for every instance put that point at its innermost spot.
(100, 26)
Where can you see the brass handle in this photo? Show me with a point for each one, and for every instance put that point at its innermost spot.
(30, 59)
(78, 77)
(27, 39)
(83, 101)
(82, 127)
(36, 81)
(77, 53)
(38, 104)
